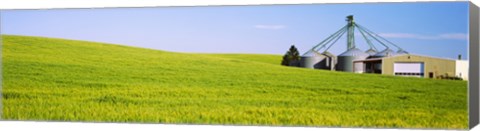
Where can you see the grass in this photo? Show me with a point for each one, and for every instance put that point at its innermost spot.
(262, 58)
(66, 80)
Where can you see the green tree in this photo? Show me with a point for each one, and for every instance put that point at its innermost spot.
(285, 60)
(292, 57)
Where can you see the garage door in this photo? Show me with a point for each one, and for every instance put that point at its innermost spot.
(409, 69)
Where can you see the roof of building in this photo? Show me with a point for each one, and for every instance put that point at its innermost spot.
(419, 55)
(376, 59)
(371, 59)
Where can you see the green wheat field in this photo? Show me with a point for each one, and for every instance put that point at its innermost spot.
(48, 79)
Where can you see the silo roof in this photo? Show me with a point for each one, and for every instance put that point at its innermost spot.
(354, 52)
(386, 52)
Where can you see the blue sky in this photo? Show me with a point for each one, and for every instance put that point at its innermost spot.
(436, 29)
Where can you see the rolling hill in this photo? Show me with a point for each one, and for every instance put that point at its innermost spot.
(262, 58)
(68, 80)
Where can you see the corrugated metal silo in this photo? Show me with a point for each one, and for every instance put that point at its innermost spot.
(329, 62)
(311, 60)
(345, 60)
(385, 53)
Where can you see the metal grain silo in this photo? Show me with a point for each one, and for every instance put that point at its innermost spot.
(385, 53)
(328, 62)
(345, 60)
(311, 60)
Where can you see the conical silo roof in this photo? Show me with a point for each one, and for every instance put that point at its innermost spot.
(371, 51)
(345, 60)
(385, 53)
(311, 59)
(354, 52)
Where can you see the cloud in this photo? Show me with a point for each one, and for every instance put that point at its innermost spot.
(459, 36)
(446, 36)
(270, 27)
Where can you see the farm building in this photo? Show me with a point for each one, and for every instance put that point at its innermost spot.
(386, 61)
(413, 65)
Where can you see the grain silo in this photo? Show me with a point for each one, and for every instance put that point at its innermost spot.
(352, 60)
(311, 60)
(345, 60)
(329, 62)
(317, 60)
